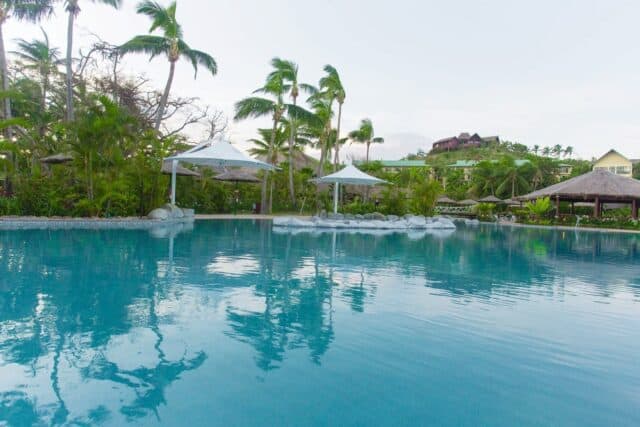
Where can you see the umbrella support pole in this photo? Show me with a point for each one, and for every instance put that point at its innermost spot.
(336, 192)
(174, 167)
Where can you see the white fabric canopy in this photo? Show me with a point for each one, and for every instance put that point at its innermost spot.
(349, 175)
(214, 153)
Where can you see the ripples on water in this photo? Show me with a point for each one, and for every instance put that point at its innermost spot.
(232, 323)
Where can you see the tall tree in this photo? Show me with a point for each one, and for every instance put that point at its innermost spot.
(73, 9)
(332, 84)
(39, 57)
(23, 10)
(171, 43)
(256, 106)
(288, 71)
(365, 135)
(511, 177)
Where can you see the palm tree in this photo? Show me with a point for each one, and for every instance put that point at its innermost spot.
(23, 10)
(568, 151)
(73, 9)
(535, 149)
(170, 43)
(288, 71)
(332, 84)
(546, 151)
(365, 135)
(255, 107)
(320, 128)
(511, 176)
(40, 57)
(556, 150)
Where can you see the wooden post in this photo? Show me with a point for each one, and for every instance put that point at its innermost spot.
(557, 206)
(634, 209)
(573, 208)
(596, 208)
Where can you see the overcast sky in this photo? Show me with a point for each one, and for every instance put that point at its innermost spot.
(545, 72)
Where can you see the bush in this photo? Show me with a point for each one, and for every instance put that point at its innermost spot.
(425, 195)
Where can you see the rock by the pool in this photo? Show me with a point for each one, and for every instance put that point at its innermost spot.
(170, 212)
(410, 223)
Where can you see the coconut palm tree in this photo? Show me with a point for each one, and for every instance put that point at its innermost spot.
(332, 84)
(255, 107)
(23, 10)
(535, 149)
(288, 71)
(568, 151)
(39, 57)
(511, 176)
(365, 135)
(321, 105)
(170, 43)
(73, 9)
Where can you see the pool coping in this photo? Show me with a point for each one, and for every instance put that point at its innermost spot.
(140, 223)
(62, 223)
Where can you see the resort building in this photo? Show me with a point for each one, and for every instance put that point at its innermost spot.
(616, 163)
(462, 141)
(563, 170)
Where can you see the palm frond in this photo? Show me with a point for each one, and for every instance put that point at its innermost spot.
(31, 10)
(152, 45)
(253, 107)
(163, 18)
(198, 58)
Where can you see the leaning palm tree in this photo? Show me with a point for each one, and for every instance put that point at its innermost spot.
(23, 10)
(73, 9)
(365, 135)
(332, 84)
(38, 56)
(170, 43)
(255, 107)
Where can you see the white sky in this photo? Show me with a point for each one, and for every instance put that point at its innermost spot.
(545, 72)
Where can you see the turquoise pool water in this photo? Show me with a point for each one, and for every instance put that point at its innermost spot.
(231, 323)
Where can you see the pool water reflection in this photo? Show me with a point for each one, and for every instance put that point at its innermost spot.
(233, 323)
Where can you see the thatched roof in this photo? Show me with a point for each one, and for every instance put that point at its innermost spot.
(237, 175)
(300, 160)
(600, 183)
(444, 200)
(57, 158)
(490, 199)
(467, 202)
(180, 170)
(511, 202)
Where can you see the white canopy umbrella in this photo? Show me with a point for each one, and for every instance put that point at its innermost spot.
(215, 153)
(348, 175)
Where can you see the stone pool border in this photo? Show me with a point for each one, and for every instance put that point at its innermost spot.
(136, 223)
(42, 223)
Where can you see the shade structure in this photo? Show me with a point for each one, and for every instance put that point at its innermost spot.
(467, 202)
(215, 153)
(444, 200)
(237, 176)
(599, 186)
(491, 199)
(348, 175)
(180, 170)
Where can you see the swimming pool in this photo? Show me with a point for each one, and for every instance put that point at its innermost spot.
(233, 323)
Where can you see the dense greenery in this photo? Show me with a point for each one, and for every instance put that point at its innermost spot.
(110, 131)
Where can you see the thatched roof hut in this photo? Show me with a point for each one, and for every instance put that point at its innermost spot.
(444, 200)
(490, 199)
(237, 175)
(468, 202)
(180, 170)
(599, 186)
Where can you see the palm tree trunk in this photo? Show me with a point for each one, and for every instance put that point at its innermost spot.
(292, 190)
(69, 77)
(336, 159)
(43, 105)
(5, 76)
(265, 178)
(368, 145)
(165, 96)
